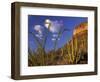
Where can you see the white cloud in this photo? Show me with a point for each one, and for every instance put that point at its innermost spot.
(55, 26)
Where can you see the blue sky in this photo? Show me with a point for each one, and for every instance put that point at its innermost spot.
(38, 21)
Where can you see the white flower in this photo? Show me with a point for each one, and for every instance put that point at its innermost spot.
(58, 38)
(38, 35)
(38, 28)
(47, 23)
(55, 35)
(54, 39)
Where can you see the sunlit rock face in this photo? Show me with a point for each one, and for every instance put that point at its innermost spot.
(77, 47)
(80, 28)
(80, 37)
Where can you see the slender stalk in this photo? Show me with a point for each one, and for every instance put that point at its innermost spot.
(42, 51)
(55, 44)
(37, 41)
(45, 40)
(59, 35)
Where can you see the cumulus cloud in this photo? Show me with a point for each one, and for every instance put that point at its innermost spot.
(53, 26)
